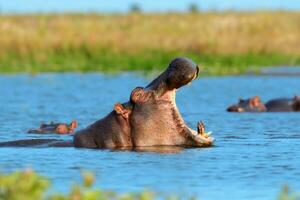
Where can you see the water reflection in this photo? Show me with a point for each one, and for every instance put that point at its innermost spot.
(152, 149)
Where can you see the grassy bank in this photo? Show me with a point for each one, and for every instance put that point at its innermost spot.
(223, 43)
(28, 185)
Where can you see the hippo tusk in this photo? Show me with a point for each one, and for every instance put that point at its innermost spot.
(201, 130)
(208, 133)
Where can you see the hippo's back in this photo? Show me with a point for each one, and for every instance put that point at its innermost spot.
(280, 105)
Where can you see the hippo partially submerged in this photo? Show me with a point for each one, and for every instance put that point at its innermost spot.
(254, 104)
(58, 128)
(149, 118)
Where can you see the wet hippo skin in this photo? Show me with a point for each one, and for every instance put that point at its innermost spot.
(150, 117)
(284, 105)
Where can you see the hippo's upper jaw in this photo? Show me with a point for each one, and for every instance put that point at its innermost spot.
(155, 108)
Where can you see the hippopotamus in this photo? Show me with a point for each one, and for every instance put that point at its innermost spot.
(58, 128)
(284, 105)
(254, 104)
(150, 118)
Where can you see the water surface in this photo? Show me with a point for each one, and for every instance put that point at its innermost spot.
(254, 154)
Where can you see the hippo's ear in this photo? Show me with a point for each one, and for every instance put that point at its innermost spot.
(255, 101)
(120, 110)
(73, 124)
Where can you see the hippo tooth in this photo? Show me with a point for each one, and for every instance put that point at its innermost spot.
(208, 133)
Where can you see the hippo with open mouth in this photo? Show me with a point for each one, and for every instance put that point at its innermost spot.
(150, 118)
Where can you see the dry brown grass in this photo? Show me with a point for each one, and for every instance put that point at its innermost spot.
(225, 33)
(229, 33)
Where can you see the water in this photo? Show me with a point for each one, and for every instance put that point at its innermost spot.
(254, 155)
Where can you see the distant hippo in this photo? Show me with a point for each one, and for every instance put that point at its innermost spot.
(58, 128)
(284, 105)
(254, 104)
(149, 119)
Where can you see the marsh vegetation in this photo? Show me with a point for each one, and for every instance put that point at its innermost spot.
(223, 43)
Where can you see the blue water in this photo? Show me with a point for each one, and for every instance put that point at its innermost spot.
(253, 157)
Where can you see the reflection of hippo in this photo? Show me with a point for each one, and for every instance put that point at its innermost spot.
(254, 104)
(150, 118)
(59, 128)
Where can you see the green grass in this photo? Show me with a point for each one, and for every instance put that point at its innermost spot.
(82, 60)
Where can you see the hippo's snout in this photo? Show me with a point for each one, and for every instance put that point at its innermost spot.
(235, 108)
(180, 72)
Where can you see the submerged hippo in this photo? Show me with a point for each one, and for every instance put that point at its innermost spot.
(254, 104)
(284, 105)
(58, 128)
(149, 118)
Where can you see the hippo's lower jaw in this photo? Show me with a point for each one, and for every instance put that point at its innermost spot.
(150, 118)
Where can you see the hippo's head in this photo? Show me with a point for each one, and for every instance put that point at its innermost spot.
(252, 104)
(66, 128)
(155, 118)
